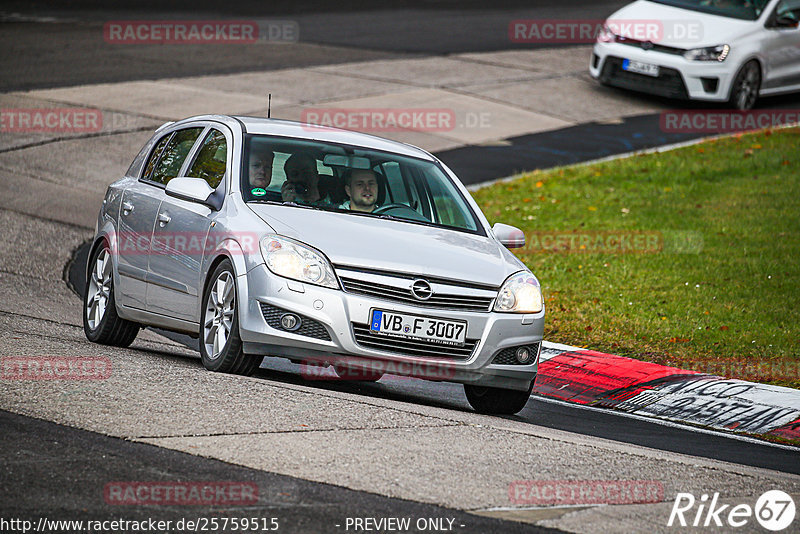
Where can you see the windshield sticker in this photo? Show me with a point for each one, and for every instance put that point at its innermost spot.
(258, 192)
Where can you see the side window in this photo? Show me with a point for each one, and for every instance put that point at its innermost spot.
(211, 159)
(151, 163)
(174, 154)
(789, 9)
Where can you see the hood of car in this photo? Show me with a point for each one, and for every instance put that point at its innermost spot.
(680, 28)
(395, 246)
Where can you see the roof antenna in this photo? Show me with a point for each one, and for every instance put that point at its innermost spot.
(269, 106)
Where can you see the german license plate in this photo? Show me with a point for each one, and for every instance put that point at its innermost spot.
(648, 69)
(407, 326)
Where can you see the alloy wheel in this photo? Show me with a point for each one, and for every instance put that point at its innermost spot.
(747, 87)
(99, 290)
(219, 314)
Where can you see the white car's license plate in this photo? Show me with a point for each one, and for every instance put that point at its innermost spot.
(404, 325)
(648, 69)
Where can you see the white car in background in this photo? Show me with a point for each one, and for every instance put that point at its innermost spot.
(714, 50)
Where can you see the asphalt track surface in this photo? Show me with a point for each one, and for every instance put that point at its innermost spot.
(60, 472)
(42, 461)
(555, 415)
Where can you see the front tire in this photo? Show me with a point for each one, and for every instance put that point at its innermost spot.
(220, 343)
(497, 401)
(101, 324)
(746, 86)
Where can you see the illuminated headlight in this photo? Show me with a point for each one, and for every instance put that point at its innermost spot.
(606, 35)
(290, 259)
(712, 53)
(520, 294)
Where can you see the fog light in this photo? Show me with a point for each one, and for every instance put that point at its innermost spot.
(524, 355)
(290, 322)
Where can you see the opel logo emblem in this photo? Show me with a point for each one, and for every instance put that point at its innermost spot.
(421, 289)
(647, 45)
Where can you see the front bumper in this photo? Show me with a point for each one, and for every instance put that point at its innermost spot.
(332, 332)
(678, 78)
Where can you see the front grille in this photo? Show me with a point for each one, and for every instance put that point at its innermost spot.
(442, 301)
(308, 326)
(411, 347)
(669, 82)
(647, 45)
(509, 356)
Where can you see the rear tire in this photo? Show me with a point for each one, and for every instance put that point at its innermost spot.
(220, 343)
(498, 401)
(101, 323)
(746, 85)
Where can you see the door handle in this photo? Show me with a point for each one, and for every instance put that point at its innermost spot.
(164, 219)
(127, 207)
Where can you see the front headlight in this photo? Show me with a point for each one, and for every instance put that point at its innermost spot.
(606, 35)
(291, 259)
(520, 294)
(712, 53)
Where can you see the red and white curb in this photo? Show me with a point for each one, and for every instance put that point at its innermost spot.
(602, 380)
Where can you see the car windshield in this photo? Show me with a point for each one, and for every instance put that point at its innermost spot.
(737, 9)
(352, 180)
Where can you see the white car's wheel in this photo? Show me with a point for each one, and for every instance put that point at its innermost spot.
(746, 86)
(220, 344)
(101, 324)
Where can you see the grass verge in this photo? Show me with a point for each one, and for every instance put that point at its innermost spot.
(688, 258)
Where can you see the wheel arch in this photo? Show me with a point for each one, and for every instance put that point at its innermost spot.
(227, 250)
(759, 61)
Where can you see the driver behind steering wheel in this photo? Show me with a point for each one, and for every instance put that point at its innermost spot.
(361, 185)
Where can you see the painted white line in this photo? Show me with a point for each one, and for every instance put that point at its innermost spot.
(671, 424)
(18, 17)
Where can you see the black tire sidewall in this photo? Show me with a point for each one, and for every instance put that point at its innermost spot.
(734, 96)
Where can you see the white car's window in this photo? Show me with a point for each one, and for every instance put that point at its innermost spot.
(352, 180)
(737, 9)
(789, 9)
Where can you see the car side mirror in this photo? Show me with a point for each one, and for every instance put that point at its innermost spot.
(510, 236)
(785, 22)
(194, 190)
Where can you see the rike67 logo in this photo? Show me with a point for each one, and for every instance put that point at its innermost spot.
(774, 510)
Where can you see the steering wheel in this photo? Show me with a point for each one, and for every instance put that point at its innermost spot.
(387, 207)
(406, 212)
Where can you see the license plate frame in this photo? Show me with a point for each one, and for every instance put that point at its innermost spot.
(640, 67)
(416, 327)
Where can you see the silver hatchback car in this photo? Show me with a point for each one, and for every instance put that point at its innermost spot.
(327, 247)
